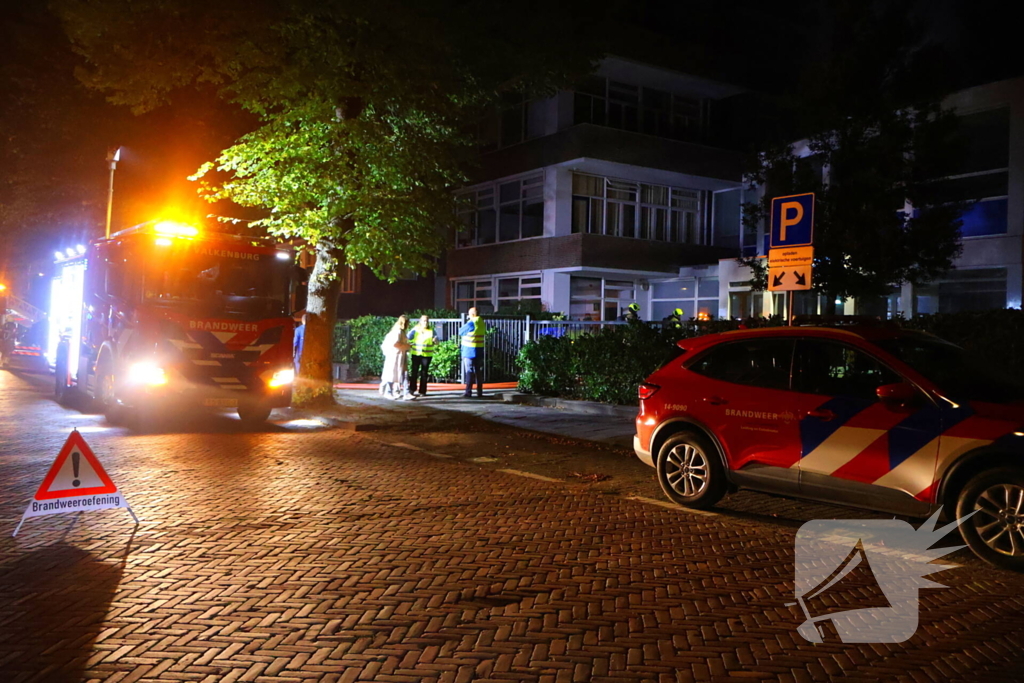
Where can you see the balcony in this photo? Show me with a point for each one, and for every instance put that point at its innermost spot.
(610, 144)
(580, 250)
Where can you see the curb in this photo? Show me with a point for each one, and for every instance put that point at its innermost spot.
(570, 406)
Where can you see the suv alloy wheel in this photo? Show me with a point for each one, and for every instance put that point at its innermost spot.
(690, 471)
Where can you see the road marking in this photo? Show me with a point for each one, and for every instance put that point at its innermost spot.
(403, 445)
(672, 506)
(531, 475)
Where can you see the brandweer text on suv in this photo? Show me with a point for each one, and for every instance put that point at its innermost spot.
(880, 418)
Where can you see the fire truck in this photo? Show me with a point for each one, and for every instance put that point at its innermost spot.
(163, 317)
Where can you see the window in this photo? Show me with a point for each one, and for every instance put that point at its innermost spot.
(478, 294)
(488, 295)
(959, 375)
(697, 297)
(963, 290)
(629, 107)
(513, 291)
(761, 363)
(349, 280)
(593, 298)
(831, 369)
(746, 304)
(519, 213)
(521, 119)
(623, 208)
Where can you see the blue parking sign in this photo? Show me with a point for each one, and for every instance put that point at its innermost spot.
(792, 221)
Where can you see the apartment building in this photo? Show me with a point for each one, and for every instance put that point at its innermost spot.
(588, 200)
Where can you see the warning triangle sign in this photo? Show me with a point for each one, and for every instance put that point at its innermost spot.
(76, 482)
(75, 472)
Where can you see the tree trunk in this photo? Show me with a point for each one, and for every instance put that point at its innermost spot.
(315, 383)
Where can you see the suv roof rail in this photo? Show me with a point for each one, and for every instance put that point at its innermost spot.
(839, 320)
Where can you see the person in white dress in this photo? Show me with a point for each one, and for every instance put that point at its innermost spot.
(395, 348)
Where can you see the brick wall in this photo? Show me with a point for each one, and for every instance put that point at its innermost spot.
(376, 297)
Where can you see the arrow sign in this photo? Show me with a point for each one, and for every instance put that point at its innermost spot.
(789, 278)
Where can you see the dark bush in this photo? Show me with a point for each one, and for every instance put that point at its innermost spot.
(996, 337)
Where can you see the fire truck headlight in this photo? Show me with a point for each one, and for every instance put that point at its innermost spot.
(147, 373)
(281, 378)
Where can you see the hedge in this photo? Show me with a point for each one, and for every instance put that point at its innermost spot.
(607, 365)
(357, 342)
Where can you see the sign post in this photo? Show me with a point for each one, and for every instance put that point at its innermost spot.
(76, 482)
(790, 253)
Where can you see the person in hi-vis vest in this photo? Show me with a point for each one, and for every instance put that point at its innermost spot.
(473, 334)
(422, 339)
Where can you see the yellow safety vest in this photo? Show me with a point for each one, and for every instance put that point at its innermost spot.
(422, 342)
(475, 339)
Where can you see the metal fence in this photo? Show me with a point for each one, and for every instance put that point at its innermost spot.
(505, 338)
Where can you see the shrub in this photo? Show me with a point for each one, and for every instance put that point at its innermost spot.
(447, 357)
(546, 366)
(607, 365)
(995, 337)
(367, 334)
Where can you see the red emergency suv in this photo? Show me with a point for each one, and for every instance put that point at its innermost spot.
(872, 417)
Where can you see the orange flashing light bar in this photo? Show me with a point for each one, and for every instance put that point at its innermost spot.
(173, 229)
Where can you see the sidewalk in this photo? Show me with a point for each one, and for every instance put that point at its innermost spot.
(574, 419)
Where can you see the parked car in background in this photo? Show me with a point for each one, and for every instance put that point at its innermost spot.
(23, 349)
(873, 417)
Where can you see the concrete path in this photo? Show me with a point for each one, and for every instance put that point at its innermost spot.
(616, 428)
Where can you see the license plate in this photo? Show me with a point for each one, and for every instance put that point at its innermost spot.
(221, 402)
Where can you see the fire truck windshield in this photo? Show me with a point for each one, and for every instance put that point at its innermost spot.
(210, 279)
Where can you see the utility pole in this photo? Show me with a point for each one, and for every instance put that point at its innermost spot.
(113, 157)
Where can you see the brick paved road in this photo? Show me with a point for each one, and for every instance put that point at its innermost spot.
(289, 555)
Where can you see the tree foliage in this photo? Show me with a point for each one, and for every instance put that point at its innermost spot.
(875, 142)
(366, 108)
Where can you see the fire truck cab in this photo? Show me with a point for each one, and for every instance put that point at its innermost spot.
(163, 316)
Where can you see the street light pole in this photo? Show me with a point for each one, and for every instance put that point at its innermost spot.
(113, 157)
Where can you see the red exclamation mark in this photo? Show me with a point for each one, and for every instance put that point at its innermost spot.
(74, 465)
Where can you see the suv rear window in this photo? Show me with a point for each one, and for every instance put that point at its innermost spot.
(754, 362)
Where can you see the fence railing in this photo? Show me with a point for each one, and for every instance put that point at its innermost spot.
(505, 338)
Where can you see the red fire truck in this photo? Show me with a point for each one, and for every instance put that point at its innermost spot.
(163, 316)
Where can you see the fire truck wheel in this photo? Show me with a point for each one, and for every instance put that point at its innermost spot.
(61, 388)
(253, 414)
(995, 532)
(107, 399)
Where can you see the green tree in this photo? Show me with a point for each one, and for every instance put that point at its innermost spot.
(366, 109)
(877, 141)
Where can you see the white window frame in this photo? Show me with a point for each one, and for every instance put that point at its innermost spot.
(527, 281)
(488, 196)
(682, 211)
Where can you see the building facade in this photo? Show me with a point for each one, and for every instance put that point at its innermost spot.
(587, 201)
(988, 273)
(593, 199)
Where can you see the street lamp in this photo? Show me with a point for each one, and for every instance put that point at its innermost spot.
(113, 157)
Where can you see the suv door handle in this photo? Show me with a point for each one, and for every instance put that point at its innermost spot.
(715, 400)
(822, 414)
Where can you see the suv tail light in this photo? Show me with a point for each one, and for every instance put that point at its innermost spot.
(647, 390)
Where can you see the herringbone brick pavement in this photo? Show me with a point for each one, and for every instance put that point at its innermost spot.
(329, 556)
